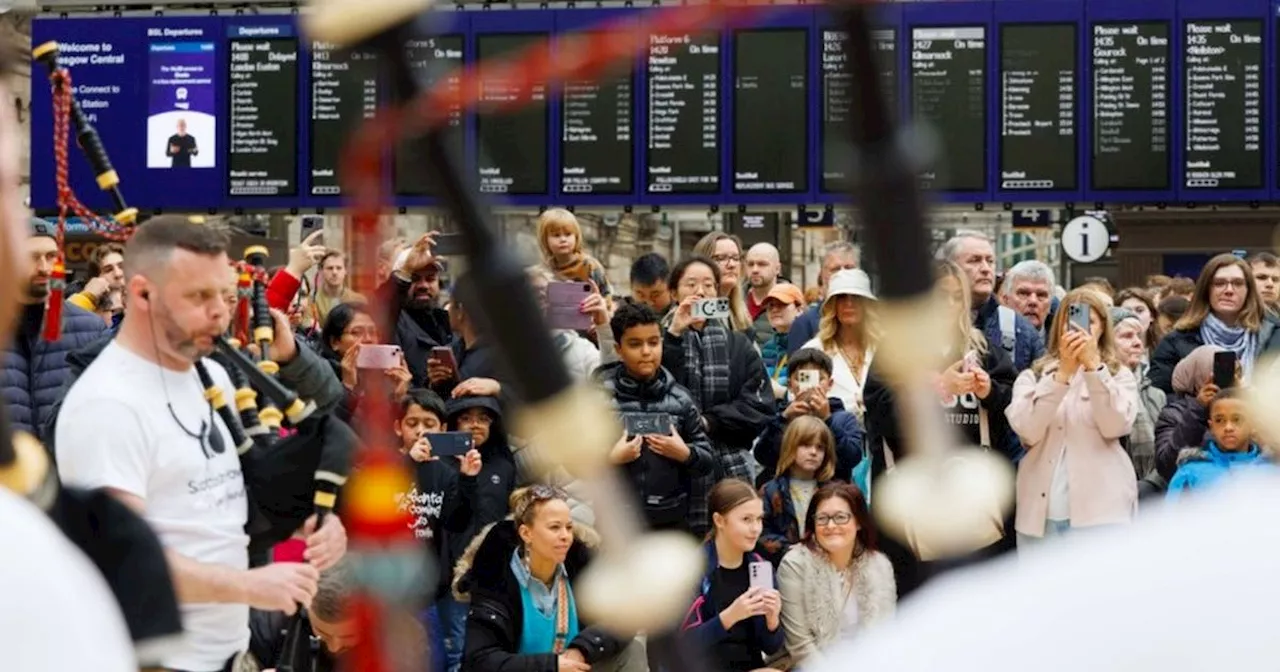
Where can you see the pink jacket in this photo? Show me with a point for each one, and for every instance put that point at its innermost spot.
(1089, 416)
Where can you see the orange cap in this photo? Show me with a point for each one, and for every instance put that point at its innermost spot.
(786, 293)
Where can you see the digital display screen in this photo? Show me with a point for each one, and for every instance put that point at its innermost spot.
(949, 92)
(344, 93)
(1038, 148)
(1130, 136)
(430, 60)
(770, 114)
(1222, 87)
(683, 136)
(597, 149)
(263, 84)
(838, 100)
(512, 144)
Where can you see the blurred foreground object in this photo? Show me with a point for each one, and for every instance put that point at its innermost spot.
(1188, 589)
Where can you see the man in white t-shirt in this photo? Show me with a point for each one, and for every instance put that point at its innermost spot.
(137, 423)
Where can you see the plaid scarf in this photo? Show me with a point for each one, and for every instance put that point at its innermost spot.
(706, 362)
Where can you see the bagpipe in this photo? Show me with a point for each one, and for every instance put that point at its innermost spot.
(294, 459)
(67, 113)
(622, 589)
(118, 541)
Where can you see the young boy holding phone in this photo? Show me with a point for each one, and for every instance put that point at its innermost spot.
(661, 466)
(444, 493)
(808, 389)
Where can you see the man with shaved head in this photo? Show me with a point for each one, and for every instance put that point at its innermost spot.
(764, 265)
(137, 424)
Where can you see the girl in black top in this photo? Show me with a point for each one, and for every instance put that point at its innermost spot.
(737, 626)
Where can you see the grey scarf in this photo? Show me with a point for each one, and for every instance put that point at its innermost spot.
(706, 364)
(1236, 339)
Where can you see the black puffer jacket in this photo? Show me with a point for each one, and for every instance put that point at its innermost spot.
(496, 618)
(1182, 424)
(1178, 344)
(734, 422)
(35, 375)
(662, 485)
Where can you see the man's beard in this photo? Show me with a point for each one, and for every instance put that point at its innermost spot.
(421, 301)
(183, 342)
(38, 291)
(759, 281)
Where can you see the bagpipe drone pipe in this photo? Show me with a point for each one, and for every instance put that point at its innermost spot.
(294, 459)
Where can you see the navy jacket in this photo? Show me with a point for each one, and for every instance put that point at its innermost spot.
(843, 424)
(1029, 346)
(804, 328)
(34, 374)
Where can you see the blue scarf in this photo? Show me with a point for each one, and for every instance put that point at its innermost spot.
(1239, 340)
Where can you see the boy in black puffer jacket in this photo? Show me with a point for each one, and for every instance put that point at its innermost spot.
(660, 468)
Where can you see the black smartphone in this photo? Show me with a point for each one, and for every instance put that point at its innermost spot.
(311, 224)
(1224, 369)
(449, 245)
(449, 444)
(1078, 316)
(641, 424)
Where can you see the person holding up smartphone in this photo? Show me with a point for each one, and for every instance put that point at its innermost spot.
(1184, 420)
(737, 624)
(1071, 408)
(660, 466)
(444, 494)
(809, 387)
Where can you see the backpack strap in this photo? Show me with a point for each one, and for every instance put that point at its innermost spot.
(1008, 329)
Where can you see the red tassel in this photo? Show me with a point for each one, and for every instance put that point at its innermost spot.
(52, 331)
(244, 292)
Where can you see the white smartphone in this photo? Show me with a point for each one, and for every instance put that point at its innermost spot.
(761, 574)
(711, 309)
(807, 379)
(381, 357)
(971, 361)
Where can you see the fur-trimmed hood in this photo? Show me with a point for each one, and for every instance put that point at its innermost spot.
(485, 560)
(1211, 453)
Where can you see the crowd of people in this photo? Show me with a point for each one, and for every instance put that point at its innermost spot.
(761, 433)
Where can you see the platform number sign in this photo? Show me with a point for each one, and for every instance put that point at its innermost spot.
(1085, 239)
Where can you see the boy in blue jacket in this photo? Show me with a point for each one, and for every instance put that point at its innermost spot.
(811, 401)
(1229, 449)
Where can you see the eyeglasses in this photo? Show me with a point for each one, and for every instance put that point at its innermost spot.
(1235, 283)
(727, 258)
(841, 518)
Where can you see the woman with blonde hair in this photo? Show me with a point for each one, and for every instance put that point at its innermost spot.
(847, 332)
(726, 250)
(973, 390)
(1071, 408)
(1225, 311)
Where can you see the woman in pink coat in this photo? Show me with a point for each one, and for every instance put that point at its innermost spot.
(1071, 409)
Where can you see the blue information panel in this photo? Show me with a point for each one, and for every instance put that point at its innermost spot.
(1156, 101)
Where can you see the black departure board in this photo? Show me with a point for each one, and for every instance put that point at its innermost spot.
(838, 99)
(1130, 136)
(1038, 148)
(513, 144)
(344, 93)
(770, 111)
(431, 61)
(1222, 90)
(597, 148)
(948, 91)
(263, 79)
(683, 137)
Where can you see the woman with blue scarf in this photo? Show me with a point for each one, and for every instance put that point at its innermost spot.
(519, 576)
(1227, 312)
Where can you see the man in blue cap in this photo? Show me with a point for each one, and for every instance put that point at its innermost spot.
(32, 370)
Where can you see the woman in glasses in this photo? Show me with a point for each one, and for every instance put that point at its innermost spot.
(519, 575)
(1227, 312)
(834, 584)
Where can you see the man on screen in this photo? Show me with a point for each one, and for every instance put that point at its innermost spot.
(181, 147)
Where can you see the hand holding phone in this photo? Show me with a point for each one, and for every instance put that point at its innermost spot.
(807, 379)
(761, 575)
(1224, 369)
(564, 305)
(450, 444)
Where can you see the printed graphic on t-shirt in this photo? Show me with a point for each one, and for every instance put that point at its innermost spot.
(218, 491)
(425, 507)
(961, 410)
